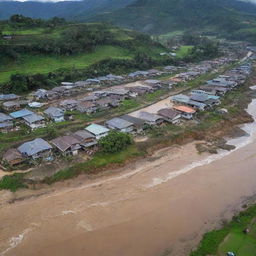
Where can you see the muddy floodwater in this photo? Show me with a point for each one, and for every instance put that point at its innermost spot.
(150, 208)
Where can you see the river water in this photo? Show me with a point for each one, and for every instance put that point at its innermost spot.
(154, 206)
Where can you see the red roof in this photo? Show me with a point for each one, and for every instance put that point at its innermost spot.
(185, 109)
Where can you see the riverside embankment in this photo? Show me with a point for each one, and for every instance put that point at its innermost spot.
(154, 206)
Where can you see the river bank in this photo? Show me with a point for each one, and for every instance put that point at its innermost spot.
(159, 205)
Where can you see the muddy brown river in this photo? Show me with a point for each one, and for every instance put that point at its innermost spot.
(157, 207)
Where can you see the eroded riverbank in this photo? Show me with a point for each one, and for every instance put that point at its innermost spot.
(165, 203)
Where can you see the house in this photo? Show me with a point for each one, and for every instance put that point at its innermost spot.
(35, 104)
(97, 130)
(4, 97)
(93, 81)
(206, 99)
(13, 157)
(67, 84)
(215, 90)
(6, 127)
(119, 93)
(186, 112)
(21, 113)
(34, 121)
(120, 125)
(81, 84)
(67, 145)
(221, 82)
(139, 124)
(4, 118)
(184, 99)
(196, 104)
(205, 92)
(90, 98)
(69, 104)
(40, 94)
(151, 119)
(11, 105)
(104, 103)
(56, 114)
(170, 115)
(86, 139)
(153, 83)
(86, 107)
(35, 149)
(100, 94)
(138, 74)
(51, 95)
(140, 90)
(180, 98)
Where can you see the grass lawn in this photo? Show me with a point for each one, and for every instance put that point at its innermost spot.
(231, 238)
(183, 51)
(239, 243)
(45, 64)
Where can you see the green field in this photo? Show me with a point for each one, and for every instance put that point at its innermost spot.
(183, 51)
(231, 237)
(239, 243)
(47, 48)
(44, 64)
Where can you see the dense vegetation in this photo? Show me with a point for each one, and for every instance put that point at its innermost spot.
(115, 142)
(208, 16)
(67, 9)
(37, 53)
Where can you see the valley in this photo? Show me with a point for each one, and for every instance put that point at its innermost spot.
(128, 128)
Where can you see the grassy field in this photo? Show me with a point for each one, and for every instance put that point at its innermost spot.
(183, 51)
(45, 64)
(126, 45)
(231, 237)
(238, 242)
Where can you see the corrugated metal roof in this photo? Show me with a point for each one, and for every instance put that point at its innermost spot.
(33, 118)
(119, 123)
(149, 117)
(97, 129)
(54, 112)
(4, 117)
(21, 113)
(33, 147)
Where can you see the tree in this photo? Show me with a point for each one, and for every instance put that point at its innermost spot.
(115, 141)
(18, 83)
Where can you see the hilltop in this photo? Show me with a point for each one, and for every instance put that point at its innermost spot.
(66, 9)
(57, 48)
(162, 16)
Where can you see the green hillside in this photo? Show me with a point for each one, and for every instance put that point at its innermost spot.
(163, 16)
(43, 49)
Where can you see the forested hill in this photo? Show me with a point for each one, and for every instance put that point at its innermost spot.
(37, 53)
(64, 9)
(161, 16)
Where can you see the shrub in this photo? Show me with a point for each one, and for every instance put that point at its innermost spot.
(114, 142)
(12, 182)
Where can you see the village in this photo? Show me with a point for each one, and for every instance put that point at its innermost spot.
(44, 107)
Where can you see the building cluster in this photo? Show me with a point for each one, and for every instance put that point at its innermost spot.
(103, 93)
(184, 107)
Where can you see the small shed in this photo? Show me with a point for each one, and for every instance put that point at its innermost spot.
(120, 125)
(35, 149)
(13, 157)
(56, 114)
(170, 115)
(97, 130)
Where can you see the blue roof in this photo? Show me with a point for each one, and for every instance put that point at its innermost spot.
(97, 129)
(33, 147)
(21, 113)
